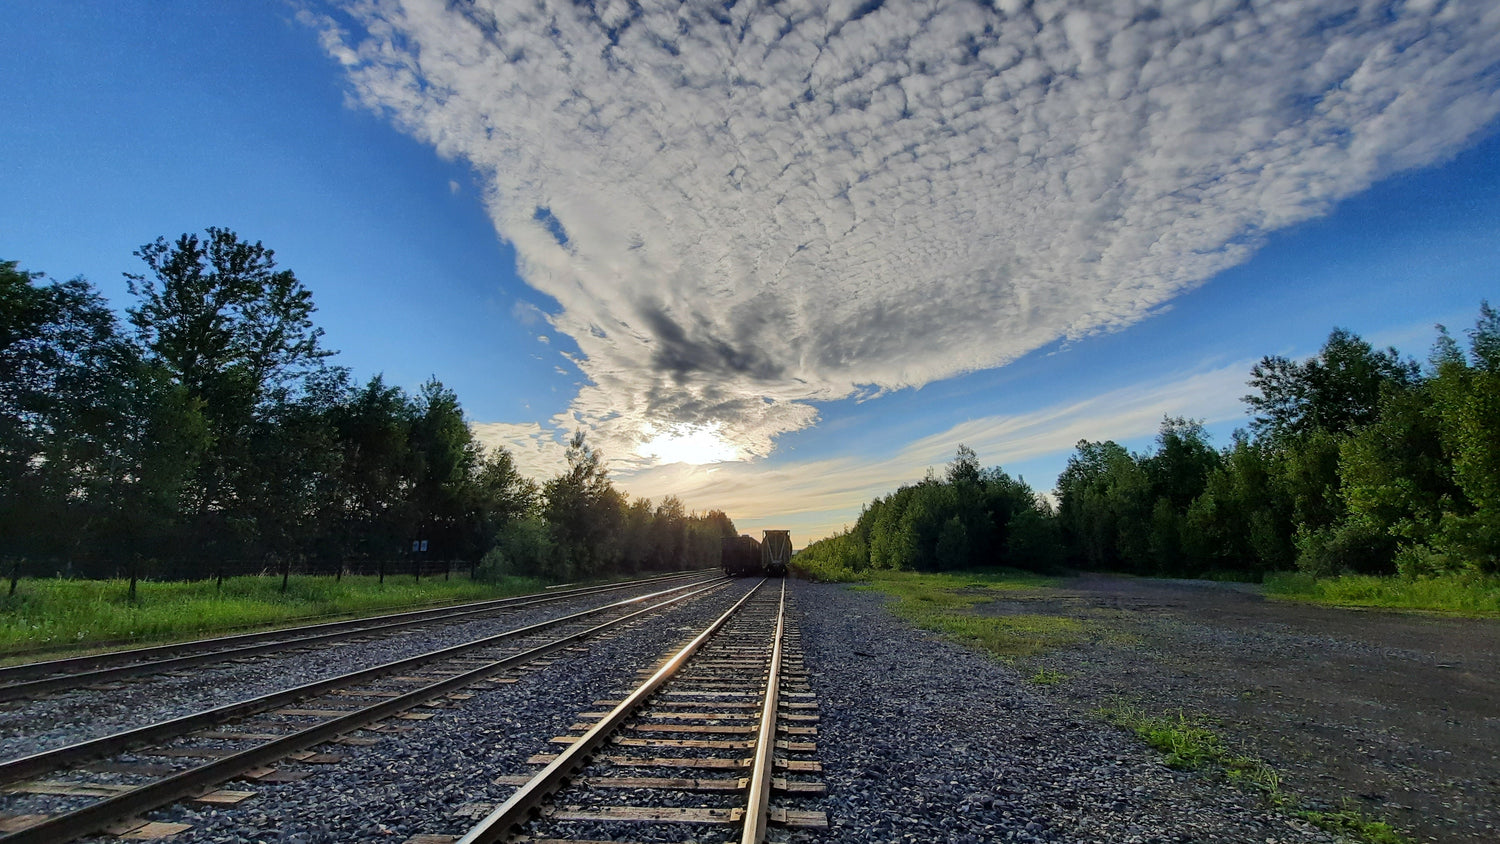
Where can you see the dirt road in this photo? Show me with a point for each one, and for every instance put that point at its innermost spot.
(1398, 714)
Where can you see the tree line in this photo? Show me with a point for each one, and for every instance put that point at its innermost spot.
(213, 429)
(1356, 460)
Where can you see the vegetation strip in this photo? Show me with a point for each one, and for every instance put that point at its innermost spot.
(1187, 745)
(944, 604)
(78, 670)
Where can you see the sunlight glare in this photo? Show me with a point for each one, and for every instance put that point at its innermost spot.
(691, 444)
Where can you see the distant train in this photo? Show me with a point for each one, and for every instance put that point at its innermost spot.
(743, 556)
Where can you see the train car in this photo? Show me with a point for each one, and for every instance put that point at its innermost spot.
(741, 556)
(776, 552)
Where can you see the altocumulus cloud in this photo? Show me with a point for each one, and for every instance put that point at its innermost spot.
(742, 208)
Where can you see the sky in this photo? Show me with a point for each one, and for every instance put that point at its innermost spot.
(778, 259)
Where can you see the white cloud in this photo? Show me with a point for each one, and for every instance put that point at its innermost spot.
(538, 453)
(740, 210)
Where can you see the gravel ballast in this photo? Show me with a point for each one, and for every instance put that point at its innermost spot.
(436, 778)
(920, 741)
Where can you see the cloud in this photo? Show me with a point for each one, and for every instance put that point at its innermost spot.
(538, 453)
(744, 209)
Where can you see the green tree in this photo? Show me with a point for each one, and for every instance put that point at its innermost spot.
(1337, 391)
(584, 512)
(237, 334)
(1466, 395)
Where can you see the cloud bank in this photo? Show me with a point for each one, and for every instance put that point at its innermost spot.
(745, 208)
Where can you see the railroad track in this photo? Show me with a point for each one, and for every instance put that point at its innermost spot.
(91, 785)
(31, 680)
(707, 740)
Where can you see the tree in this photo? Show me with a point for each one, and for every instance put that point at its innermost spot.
(1337, 391)
(1466, 405)
(584, 511)
(222, 319)
(370, 492)
(446, 458)
(65, 379)
(236, 333)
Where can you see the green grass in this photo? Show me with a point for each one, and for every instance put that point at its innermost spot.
(53, 613)
(1189, 745)
(1048, 677)
(1467, 595)
(1349, 820)
(946, 604)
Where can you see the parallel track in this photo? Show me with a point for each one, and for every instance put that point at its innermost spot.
(30, 680)
(220, 735)
(742, 686)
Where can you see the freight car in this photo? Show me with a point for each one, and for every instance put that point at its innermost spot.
(776, 552)
(741, 556)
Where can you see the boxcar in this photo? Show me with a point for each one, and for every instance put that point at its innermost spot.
(741, 556)
(775, 552)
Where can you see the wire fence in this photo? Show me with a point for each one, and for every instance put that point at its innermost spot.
(418, 566)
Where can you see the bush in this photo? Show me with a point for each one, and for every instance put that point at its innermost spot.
(522, 548)
(840, 558)
(1415, 561)
(1034, 543)
(1348, 546)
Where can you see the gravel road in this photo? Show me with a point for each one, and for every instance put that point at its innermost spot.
(923, 741)
(1396, 714)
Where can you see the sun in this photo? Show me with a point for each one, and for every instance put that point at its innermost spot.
(691, 444)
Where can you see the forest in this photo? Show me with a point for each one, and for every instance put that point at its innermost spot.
(213, 434)
(1357, 460)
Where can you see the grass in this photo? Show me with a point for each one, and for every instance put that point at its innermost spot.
(56, 613)
(945, 604)
(1189, 745)
(1467, 595)
(1048, 677)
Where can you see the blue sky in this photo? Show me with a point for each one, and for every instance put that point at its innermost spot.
(828, 246)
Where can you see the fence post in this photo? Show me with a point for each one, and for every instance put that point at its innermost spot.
(15, 575)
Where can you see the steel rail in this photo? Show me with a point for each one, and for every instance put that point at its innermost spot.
(74, 671)
(758, 801)
(193, 781)
(516, 811)
(47, 760)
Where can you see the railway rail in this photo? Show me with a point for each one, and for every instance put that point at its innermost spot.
(188, 757)
(30, 680)
(732, 708)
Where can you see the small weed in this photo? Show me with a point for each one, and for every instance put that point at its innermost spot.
(1190, 746)
(1048, 677)
(1351, 821)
